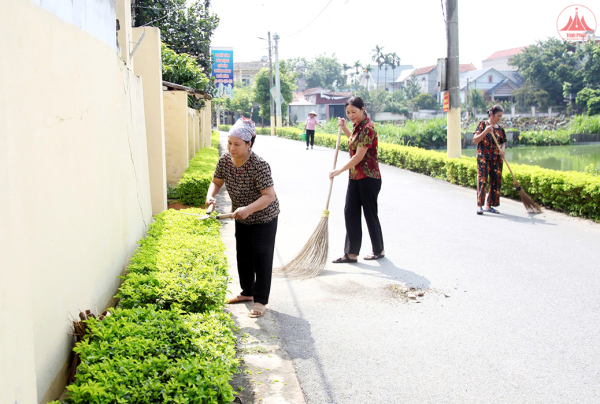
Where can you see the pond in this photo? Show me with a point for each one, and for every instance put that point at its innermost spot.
(563, 158)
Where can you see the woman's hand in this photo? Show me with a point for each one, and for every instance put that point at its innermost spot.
(334, 173)
(501, 153)
(341, 122)
(210, 201)
(241, 213)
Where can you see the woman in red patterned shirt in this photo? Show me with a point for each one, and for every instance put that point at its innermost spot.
(364, 184)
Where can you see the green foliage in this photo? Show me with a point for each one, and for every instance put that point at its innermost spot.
(143, 355)
(182, 69)
(593, 170)
(224, 128)
(577, 194)
(585, 124)
(412, 88)
(196, 179)
(325, 72)
(426, 101)
(186, 28)
(558, 137)
(214, 139)
(261, 88)
(180, 264)
(593, 106)
(584, 96)
(476, 100)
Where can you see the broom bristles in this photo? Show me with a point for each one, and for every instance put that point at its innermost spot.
(529, 203)
(311, 259)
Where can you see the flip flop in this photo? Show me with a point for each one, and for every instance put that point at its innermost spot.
(480, 210)
(492, 210)
(342, 260)
(371, 257)
(260, 308)
(238, 300)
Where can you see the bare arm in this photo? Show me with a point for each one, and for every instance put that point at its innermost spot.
(342, 124)
(479, 136)
(213, 189)
(267, 196)
(360, 154)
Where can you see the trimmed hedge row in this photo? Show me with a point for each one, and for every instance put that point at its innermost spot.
(575, 193)
(193, 186)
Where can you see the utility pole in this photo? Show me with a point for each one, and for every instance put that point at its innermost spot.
(272, 113)
(277, 82)
(453, 80)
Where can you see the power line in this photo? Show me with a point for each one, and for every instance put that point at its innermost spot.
(327, 5)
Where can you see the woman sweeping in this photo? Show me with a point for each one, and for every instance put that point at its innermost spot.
(255, 209)
(309, 127)
(364, 184)
(489, 160)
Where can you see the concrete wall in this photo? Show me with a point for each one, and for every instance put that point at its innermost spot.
(74, 188)
(207, 124)
(147, 65)
(191, 117)
(176, 134)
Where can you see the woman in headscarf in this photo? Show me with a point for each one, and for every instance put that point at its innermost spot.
(255, 210)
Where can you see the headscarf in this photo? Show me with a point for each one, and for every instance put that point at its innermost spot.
(243, 129)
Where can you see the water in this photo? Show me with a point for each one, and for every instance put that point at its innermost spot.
(562, 158)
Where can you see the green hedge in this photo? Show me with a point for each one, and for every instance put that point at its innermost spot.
(224, 128)
(144, 355)
(181, 264)
(575, 193)
(193, 186)
(214, 139)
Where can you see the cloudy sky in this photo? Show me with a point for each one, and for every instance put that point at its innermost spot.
(415, 30)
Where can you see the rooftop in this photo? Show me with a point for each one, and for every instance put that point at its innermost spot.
(506, 53)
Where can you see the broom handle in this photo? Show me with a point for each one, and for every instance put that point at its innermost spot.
(337, 149)
(515, 182)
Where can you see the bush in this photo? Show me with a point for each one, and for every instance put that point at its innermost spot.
(180, 264)
(144, 355)
(193, 186)
(593, 106)
(577, 194)
(557, 137)
(224, 128)
(214, 139)
(586, 124)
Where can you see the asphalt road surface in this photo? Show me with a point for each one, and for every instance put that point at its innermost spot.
(511, 304)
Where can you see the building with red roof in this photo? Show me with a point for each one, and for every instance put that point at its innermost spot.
(500, 60)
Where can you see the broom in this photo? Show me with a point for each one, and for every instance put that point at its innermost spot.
(311, 260)
(529, 203)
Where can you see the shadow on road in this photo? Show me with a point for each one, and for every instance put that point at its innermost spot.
(520, 219)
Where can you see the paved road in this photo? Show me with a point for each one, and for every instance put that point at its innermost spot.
(521, 323)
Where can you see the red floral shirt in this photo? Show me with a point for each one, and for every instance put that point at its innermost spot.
(364, 135)
(486, 148)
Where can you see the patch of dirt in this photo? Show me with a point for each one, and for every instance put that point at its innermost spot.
(413, 295)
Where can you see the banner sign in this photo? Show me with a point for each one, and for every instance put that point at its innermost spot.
(446, 101)
(222, 71)
(274, 93)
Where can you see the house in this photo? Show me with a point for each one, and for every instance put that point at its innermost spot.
(427, 77)
(496, 84)
(327, 104)
(378, 77)
(247, 71)
(500, 60)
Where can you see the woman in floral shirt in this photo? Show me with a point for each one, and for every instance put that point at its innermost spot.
(364, 184)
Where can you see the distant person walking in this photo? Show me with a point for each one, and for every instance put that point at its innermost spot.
(489, 160)
(309, 127)
(364, 184)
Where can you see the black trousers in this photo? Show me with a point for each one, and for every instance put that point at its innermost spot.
(310, 136)
(255, 245)
(362, 194)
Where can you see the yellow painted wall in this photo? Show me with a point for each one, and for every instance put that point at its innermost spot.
(75, 193)
(191, 116)
(207, 124)
(147, 65)
(176, 134)
(197, 124)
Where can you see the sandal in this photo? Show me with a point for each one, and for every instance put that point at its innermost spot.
(480, 210)
(240, 299)
(374, 257)
(343, 259)
(492, 210)
(259, 309)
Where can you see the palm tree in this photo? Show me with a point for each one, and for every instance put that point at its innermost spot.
(394, 63)
(345, 68)
(378, 58)
(368, 70)
(387, 61)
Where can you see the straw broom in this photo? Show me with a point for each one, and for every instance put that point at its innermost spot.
(311, 260)
(529, 203)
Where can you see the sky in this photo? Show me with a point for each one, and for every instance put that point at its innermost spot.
(415, 30)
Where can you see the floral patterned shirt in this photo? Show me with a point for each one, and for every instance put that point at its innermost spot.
(487, 149)
(364, 135)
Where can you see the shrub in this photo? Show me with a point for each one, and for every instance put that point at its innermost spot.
(224, 128)
(193, 186)
(557, 137)
(144, 355)
(586, 124)
(180, 264)
(577, 194)
(214, 139)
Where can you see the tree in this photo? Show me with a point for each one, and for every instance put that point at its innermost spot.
(394, 63)
(531, 94)
(261, 88)
(426, 101)
(377, 57)
(387, 60)
(584, 96)
(186, 29)
(412, 88)
(368, 70)
(241, 102)
(590, 70)
(476, 100)
(326, 72)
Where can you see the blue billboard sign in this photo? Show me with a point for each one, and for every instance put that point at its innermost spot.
(222, 71)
